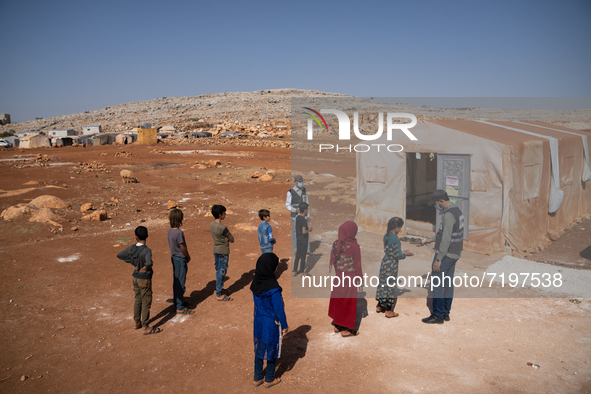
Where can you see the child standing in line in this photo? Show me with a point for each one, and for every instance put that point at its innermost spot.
(393, 253)
(180, 258)
(270, 323)
(302, 232)
(266, 240)
(140, 256)
(221, 249)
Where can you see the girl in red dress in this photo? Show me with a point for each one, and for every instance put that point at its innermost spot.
(346, 259)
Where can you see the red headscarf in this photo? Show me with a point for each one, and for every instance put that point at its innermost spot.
(346, 244)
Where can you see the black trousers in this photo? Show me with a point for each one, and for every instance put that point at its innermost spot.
(300, 257)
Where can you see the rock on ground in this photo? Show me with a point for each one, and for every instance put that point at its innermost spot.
(47, 201)
(15, 212)
(96, 215)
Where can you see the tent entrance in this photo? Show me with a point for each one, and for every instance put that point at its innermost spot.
(421, 182)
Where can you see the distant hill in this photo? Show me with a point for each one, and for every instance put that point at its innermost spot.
(270, 107)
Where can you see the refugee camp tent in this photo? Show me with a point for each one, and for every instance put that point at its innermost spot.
(34, 141)
(124, 139)
(85, 139)
(62, 141)
(201, 134)
(103, 139)
(14, 140)
(515, 182)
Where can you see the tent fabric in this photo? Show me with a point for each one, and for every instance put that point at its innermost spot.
(556, 195)
(586, 166)
(124, 139)
(510, 180)
(34, 141)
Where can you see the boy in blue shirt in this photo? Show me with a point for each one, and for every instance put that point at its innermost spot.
(265, 232)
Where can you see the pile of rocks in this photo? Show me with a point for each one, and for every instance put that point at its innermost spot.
(40, 209)
(93, 166)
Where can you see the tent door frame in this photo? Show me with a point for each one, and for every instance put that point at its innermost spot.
(453, 176)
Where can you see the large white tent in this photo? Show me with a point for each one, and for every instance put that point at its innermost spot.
(516, 182)
(34, 141)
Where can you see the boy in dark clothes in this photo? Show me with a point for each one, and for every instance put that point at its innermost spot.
(302, 232)
(140, 256)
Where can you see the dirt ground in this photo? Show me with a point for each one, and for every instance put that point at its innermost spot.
(67, 302)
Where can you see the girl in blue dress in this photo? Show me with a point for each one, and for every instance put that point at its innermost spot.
(270, 323)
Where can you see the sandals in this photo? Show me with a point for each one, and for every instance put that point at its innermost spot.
(391, 314)
(137, 326)
(273, 383)
(153, 330)
(185, 311)
(347, 333)
(380, 309)
(258, 383)
(225, 298)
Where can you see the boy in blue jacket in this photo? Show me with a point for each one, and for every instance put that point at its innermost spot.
(266, 240)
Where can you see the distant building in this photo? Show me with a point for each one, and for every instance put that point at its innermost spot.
(147, 136)
(13, 140)
(62, 133)
(4, 118)
(89, 130)
(22, 134)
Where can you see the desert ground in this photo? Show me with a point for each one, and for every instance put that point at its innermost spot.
(67, 301)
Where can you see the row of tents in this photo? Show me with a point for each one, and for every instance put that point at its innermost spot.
(43, 141)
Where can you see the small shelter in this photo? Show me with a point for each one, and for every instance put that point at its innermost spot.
(103, 139)
(14, 140)
(90, 130)
(62, 133)
(34, 141)
(63, 141)
(22, 134)
(147, 136)
(515, 182)
(124, 139)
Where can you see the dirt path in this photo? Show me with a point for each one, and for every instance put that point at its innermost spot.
(66, 301)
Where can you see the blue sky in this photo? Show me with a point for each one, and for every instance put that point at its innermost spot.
(63, 57)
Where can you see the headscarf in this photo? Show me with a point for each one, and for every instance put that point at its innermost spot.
(346, 243)
(264, 277)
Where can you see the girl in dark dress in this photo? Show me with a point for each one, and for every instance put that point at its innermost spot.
(386, 291)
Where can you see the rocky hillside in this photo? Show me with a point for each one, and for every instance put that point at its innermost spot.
(262, 112)
(267, 109)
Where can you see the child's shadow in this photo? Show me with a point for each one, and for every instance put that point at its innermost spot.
(429, 300)
(281, 267)
(195, 299)
(198, 296)
(295, 344)
(241, 283)
(362, 311)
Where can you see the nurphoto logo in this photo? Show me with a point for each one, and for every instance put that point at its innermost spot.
(345, 129)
